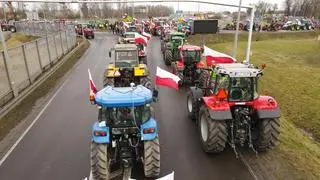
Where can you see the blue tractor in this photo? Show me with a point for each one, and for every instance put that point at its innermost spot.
(125, 133)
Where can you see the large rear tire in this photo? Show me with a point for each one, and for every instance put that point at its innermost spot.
(213, 133)
(146, 82)
(108, 82)
(191, 106)
(269, 131)
(168, 57)
(152, 158)
(99, 161)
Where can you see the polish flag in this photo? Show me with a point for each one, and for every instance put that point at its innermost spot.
(139, 39)
(125, 25)
(92, 86)
(165, 78)
(147, 35)
(216, 57)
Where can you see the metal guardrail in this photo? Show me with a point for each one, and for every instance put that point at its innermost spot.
(27, 62)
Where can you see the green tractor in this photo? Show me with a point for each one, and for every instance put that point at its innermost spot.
(169, 46)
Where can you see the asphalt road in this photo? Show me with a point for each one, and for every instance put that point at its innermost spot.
(58, 145)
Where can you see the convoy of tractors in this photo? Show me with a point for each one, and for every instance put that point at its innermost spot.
(223, 101)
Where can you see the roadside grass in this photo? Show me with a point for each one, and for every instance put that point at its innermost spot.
(16, 115)
(18, 39)
(292, 77)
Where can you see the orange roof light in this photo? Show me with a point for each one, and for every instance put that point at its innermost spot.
(91, 98)
(263, 66)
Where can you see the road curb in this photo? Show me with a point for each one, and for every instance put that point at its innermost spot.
(16, 101)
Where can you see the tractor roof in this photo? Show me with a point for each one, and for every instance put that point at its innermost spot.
(125, 47)
(177, 37)
(130, 33)
(175, 33)
(123, 96)
(237, 70)
(190, 48)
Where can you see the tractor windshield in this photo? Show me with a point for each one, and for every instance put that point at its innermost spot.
(125, 116)
(126, 58)
(132, 29)
(192, 56)
(238, 88)
(129, 36)
(243, 89)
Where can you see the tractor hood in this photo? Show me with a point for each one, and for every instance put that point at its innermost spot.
(123, 96)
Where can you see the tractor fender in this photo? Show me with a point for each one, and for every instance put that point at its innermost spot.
(151, 123)
(100, 127)
(220, 115)
(268, 113)
(196, 92)
(266, 107)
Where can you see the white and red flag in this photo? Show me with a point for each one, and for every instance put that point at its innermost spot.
(92, 86)
(147, 35)
(165, 78)
(125, 25)
(215, 57)
(139, 39)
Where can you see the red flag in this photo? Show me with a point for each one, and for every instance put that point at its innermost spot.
(167, 79)
(213, 56)
(139, 39)
(92, 86)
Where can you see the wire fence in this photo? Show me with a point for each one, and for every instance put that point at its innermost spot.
(27, 62)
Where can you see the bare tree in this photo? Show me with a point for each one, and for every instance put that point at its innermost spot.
(288, 5)
(84, 10)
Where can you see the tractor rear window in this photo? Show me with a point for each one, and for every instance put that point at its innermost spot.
(130, 36)
(192, 54)
(125, 116)
(242, 89)
(126, 55)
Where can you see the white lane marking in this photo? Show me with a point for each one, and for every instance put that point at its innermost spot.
(31, 125)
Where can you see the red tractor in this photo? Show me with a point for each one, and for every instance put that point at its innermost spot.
(189, 64)
(229, 110)
(84, 30)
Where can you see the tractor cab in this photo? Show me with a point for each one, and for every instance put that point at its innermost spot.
(126, 133)
(125, 68)
(129, 37)
(132, 29)
(190, 54)
(236, 114)
(237, 81)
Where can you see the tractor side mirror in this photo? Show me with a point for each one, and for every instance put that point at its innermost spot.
(109, 54)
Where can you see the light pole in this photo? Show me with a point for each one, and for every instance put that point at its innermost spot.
(235, 44)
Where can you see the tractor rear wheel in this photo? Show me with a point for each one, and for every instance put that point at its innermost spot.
(269, 130)
(99, 161)
(213, 133)
(151, 162)
(168, 57)
(191, 106)
(108, 82)
(146, 82)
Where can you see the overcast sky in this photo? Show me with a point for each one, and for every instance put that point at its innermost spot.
(206, 7)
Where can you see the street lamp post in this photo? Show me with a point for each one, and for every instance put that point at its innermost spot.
(235, 44)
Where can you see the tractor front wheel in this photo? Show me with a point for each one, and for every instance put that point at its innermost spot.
(213, 133)
(168, 57)
(269, 130)
(99, 161)
(151, 162)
